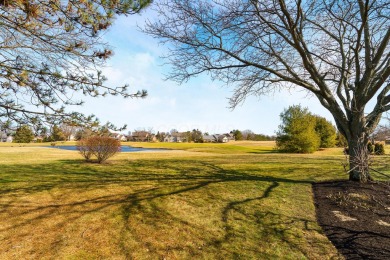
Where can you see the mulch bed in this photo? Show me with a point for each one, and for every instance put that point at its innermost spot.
(355, 217)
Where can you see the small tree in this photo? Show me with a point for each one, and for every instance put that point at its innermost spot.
(102, 147)
(83, 133)
(197, 136)
(326, 131)
(57, 134)
(379, 149)
(237, 135)
(23, 134)
(341, 141)
(69, 131)
(370, 148)
(297, 132)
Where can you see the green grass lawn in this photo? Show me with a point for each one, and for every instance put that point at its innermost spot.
(201, 201)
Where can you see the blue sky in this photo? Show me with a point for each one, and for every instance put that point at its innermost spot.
(199, 103)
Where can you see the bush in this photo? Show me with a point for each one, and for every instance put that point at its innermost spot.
(326, 131)
(370, 148)
(379, 149)
(297, 132)
(85, 151)
(102, 147)
(57, 134)
(341, 141)
(23, 134)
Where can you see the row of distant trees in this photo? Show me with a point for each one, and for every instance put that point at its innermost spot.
(196, 135)
(300, 132)
(249, 135)
(26, 133)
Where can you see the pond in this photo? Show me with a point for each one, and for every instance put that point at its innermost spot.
(124, 148)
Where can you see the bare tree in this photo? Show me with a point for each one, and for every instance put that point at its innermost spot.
(50, 49)
(337, 50)
(69, 131)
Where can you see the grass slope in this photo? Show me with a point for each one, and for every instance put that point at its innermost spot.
(216, 201)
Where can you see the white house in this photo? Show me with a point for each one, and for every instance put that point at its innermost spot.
(217, 138)
(5, 138)
(223, 139)
(118, 135)
(174, 138)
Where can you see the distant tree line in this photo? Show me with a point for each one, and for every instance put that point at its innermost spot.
(25, 134)
(249, 135)
(197, 135)
(54, 133)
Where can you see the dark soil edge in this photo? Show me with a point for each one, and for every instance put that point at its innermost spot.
(360, 239)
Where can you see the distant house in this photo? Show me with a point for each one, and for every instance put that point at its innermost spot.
(217, 138)
(169, 139)
(4, 137)
(117, 135)
(230, 136)
(387, 140)
(174, 138)
(38, 139)
(140, 136)
(209, 139)
(222, 139)
(121, 137)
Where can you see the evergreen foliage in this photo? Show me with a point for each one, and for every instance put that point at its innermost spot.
(302, 132)
(49, 50)
(370, 148)
(23, 134)
(341, 141)
(57, 134)
(326, 131)
(297, 132)
(379, 149)
(237, 135)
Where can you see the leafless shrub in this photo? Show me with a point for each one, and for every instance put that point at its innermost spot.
(82, 147)
(102, 147)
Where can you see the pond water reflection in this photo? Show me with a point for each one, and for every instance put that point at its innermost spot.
(124, 148)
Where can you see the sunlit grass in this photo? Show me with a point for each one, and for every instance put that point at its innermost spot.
(237, 200)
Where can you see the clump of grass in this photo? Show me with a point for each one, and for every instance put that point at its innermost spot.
(351, 199)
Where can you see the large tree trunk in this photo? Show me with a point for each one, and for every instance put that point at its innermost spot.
(358, 154)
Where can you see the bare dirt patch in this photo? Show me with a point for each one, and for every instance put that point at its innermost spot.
(355, 217)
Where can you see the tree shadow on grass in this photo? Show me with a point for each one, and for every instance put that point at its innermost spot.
(148, 182)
